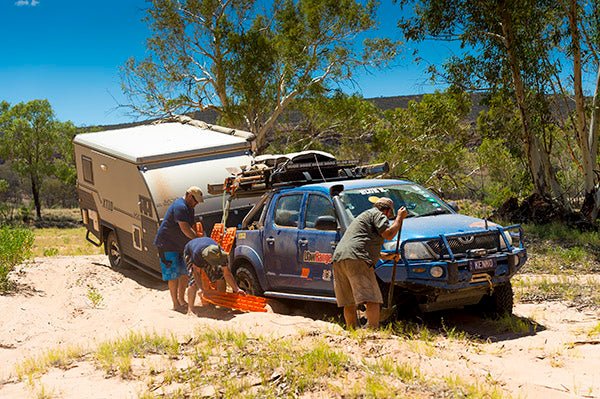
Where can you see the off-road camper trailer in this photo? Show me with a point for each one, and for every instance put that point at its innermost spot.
(127, 178)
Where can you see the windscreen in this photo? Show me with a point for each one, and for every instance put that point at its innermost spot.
(417, 200)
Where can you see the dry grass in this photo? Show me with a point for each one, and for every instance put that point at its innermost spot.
(67, 242)
(579, 290)
(228, 363)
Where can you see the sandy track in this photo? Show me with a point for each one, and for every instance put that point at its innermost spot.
(52, 309)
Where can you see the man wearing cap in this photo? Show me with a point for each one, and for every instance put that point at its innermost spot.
(354, 259)
(174, 232)
(205, 254)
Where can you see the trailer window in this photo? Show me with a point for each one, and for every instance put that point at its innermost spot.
(86, 166)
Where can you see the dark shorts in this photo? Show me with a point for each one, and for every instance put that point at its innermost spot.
(171, 265)
(214, 273)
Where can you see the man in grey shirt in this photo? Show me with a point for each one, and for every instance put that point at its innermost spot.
(354, 259)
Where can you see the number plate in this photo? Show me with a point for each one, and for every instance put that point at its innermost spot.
(482, 264)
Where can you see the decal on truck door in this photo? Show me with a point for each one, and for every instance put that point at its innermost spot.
(317, 257)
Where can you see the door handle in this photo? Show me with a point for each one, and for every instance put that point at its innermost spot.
(303, 241)
(270, 240)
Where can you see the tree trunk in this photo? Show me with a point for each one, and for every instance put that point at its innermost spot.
(542, 174)
(35, 190)
(587, 141)
(593, 141)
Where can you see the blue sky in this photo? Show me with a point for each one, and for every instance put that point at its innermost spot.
(69, 52)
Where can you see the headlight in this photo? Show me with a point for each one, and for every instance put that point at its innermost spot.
(508, 237)
(418, 251)
(436, 271)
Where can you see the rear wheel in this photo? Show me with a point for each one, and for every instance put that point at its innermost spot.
(247, 280)
(113, 250)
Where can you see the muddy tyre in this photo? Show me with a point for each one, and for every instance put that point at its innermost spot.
(247, 280)
(113, 250)
(500, 303)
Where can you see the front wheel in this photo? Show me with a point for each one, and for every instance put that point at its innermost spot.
(113, 250)
(500, 303)
(247, 280)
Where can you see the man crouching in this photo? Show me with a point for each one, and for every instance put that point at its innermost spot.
(205, 254)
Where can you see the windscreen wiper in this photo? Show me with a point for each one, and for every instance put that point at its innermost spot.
(438, 211)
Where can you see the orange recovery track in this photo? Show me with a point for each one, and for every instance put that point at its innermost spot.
(244, 303)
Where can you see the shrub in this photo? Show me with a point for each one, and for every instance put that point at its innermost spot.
(15, 247)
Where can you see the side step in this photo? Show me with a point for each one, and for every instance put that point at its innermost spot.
(300, 297)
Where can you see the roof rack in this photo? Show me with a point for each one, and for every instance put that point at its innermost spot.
(290, 171)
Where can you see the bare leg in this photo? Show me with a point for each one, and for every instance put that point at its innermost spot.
(173, 291)
(182, 283)
(350, 316)
(191, 297)
(373, 310)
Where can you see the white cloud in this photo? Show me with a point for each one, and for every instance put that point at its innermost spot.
(27, 3)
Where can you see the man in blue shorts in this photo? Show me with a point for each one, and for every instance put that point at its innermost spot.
(205, 254)
(174, 232)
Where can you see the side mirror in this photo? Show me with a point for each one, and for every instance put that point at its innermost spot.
(326, 223)
(453, 205)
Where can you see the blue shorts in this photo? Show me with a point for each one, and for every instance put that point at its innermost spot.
(172, 266)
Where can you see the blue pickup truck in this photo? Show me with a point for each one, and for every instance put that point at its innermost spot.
(447, 260)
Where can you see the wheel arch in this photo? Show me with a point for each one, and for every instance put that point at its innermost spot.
(106, 229)
(247, 256)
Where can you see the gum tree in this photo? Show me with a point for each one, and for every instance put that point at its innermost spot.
(34, 142)
(503, 47)
(249, 60)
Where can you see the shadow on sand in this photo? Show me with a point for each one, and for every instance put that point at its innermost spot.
(142, 278)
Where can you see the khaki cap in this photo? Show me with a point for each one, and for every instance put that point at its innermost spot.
(385, 202)
(214, 255)
(196, 193)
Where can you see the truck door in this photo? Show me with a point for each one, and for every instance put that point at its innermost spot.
(280, 245)
(316, 246)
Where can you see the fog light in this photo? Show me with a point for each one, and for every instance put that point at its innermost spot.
(436, 271)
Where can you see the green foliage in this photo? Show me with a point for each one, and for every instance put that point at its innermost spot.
(340, 124)
(115, 356)
(59, 357)
(94, 296)
(560, 234)
(5, 208)
(558, 249)
(517, 52)
(249, 60)
(57, 193)
(426, 142)
(503, 176)
(15, 248)
(36, 144)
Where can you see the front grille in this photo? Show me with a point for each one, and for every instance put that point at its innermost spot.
(461, 244)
